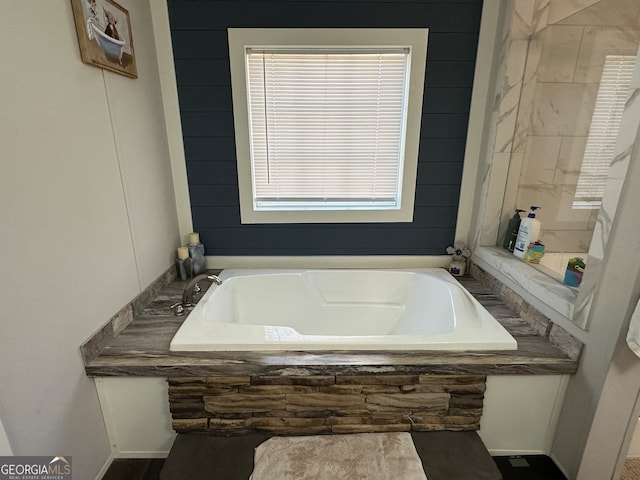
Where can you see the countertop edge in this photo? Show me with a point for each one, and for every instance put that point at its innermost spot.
(536, 355)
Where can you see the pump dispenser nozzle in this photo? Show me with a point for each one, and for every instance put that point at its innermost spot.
(532, 213)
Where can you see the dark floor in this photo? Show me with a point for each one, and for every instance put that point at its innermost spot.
(528, 467)
(135, 469)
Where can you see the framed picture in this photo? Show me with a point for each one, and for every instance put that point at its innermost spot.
(104, 35)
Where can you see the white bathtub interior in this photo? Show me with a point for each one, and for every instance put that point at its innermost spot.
(339, 309)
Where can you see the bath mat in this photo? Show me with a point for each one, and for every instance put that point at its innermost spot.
(631, 469)
(366, 456)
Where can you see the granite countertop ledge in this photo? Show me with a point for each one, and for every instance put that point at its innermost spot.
(135, 342)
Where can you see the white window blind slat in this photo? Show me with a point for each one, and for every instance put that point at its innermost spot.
(327, 127)
(603, 132)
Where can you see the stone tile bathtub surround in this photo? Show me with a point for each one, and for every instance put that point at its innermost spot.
(92, 347)
(326, 404)
(541, 324)
(557, 296)
(142, 349)
(297, 392)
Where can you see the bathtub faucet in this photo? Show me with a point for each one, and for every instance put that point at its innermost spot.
(187, 296)
(192, 286)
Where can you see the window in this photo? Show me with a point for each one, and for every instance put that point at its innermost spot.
(327, 123)
(603, 132)
(327, 127)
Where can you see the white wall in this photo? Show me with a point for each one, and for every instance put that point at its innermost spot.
(579, 429)
(87, 219)
(5, 448)
(634, 446)
(520, 413)
(136, 411)
(601, 398)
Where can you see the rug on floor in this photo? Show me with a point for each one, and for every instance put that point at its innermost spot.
(367, 456)
(631, 469)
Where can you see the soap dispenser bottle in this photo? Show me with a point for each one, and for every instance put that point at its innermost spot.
(196, 252)
(528, 232)
(511, 234)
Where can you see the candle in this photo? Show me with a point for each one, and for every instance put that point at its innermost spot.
(183, 252)
(194, 237)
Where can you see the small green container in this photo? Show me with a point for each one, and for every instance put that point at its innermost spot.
(573, 273)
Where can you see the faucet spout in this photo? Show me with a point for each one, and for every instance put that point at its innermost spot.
(187, 296)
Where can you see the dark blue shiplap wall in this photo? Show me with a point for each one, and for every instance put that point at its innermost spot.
(199, 36)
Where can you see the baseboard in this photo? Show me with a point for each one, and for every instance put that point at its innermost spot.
(559, 465)
(105, 467)
(143, 454)
(509, 453)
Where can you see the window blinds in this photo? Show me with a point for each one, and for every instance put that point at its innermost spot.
(327, 127)
(603, 132)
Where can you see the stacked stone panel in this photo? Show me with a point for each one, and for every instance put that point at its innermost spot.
(325, 404)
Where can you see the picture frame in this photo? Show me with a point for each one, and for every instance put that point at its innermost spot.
(104, 35)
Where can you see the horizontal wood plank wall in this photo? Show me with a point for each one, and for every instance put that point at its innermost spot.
(199, 37)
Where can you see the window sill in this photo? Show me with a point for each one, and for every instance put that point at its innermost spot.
(547, 294)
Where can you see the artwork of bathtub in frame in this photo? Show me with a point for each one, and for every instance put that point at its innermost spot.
(104, 35)
(424, 309)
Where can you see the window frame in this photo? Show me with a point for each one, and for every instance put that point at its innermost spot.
(242, 38)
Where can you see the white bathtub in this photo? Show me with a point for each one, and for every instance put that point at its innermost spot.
(339, 310)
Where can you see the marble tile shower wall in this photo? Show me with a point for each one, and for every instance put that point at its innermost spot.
(580, 33)
(523, 18)
(562, 75)
(550, 62)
